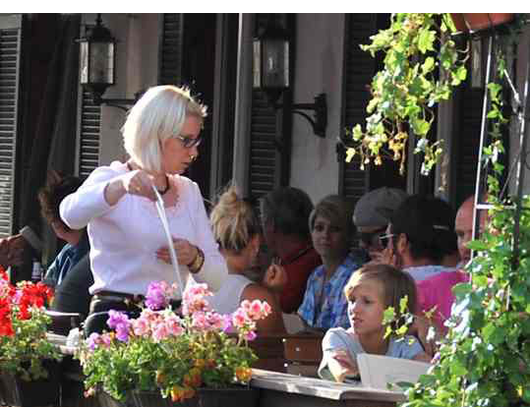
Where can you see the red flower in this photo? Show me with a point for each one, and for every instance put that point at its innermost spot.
(3, 274)
(35, 294)
(6, 327)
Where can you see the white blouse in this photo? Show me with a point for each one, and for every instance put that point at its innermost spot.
(124, 238)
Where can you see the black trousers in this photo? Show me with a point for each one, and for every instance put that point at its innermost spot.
(98, 315)
(99, 307)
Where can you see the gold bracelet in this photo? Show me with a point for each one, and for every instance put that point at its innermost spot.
(197, 263)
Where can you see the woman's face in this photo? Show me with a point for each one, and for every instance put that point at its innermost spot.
(176, 157)
(329, 238)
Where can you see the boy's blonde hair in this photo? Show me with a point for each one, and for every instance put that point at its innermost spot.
(158, 116)
(233, 221)
(395, 284)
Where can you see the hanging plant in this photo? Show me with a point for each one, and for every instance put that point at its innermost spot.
(422, 66)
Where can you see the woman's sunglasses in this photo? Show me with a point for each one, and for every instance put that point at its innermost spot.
(188, 142)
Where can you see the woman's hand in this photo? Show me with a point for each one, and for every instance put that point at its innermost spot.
(139, 182)
(275, 278)
(186, 252)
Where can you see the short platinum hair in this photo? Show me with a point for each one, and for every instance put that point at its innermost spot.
(158, 116)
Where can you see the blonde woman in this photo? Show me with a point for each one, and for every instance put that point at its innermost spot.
(237, 231)
(128, 244)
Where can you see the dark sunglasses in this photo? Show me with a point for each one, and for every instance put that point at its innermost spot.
(383, 239)
(371, 238)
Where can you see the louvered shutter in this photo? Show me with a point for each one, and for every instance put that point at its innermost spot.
(467, 141)
(170, 62)
(88, 132)
(264, 157)
(10, 34)
(89, 135)
(359, 68)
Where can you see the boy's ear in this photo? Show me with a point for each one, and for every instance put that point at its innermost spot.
(402, 243)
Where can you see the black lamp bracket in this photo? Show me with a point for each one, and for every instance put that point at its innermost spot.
(320, 109)
(123, 104)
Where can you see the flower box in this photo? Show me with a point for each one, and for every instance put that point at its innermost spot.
(196, 357)
(42, 392)
(204, 397)
(473, 22)
(28, 361)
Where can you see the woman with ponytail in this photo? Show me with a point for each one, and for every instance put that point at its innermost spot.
(236, 229)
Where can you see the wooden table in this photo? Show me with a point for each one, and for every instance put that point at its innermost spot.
(285, 390)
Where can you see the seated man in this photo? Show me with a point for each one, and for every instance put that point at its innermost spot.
(77, 240)
(371, 216)
(284, 216)
(72, 294)
(464, 229)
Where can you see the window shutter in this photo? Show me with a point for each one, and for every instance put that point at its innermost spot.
(359, 68)
(170, 62)
(88, 135)
(466, 146)
(10, 35)
(263, 152)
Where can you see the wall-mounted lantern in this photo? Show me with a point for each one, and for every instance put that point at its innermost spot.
(98, 64)
(271, 74)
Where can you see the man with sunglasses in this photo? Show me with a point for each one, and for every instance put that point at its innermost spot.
(371, 216)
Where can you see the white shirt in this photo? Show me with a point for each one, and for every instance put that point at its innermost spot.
(125, 237)
(228, 298)
(420, 273)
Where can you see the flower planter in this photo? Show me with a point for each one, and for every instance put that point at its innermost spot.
(17, 392)
(473, 22)
(106, 400)
(205, 397)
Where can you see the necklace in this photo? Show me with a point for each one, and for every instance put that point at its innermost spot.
(161, 192)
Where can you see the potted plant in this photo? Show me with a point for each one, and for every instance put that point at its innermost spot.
(485, 358)
(422, 66)
(473, 22)
(162, 358)
(28, 361)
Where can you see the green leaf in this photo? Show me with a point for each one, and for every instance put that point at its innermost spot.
(389, 315)
(428, 66)
(350, 153)
(462, 289)
(357, 132)
(420, 126)
(403, 304)
(426, 40)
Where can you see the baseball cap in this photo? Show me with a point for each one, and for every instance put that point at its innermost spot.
(376, 207)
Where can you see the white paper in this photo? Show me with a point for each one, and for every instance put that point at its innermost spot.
(379, 371)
